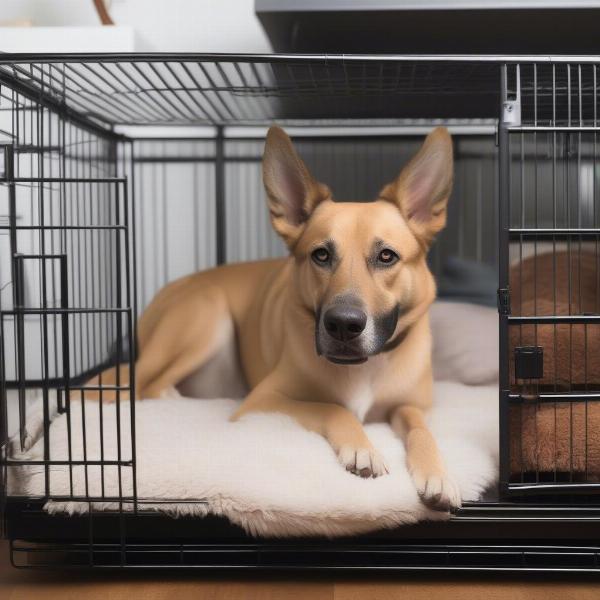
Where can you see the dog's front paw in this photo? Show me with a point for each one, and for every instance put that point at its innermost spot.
(437, 490)
(365, 462)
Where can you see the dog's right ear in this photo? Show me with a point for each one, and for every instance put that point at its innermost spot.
(291, 190)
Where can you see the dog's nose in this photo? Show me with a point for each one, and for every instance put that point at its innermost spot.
(344, 322)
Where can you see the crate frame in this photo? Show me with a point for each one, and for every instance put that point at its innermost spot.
(471, 540)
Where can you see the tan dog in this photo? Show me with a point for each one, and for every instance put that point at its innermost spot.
(334, 334)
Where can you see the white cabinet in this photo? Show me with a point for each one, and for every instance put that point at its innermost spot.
(67, 39)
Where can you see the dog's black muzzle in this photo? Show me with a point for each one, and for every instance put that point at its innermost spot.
(343, 334)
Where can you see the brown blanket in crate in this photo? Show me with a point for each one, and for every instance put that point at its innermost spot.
(561, 437)
(546, 286)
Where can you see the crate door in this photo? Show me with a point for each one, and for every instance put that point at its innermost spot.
(66, 314)
(549, 295)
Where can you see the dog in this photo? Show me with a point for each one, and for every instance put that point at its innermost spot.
(336, 333)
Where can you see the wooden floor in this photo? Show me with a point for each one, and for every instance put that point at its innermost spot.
(28, 585)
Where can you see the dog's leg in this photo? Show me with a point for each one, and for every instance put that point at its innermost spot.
(174, 341)
(107, 379)
(182, 341)
(424, 461)
(335, 423)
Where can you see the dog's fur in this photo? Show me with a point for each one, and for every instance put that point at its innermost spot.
(361, 261)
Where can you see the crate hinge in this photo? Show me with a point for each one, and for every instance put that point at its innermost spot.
(511, 103)
(504, 301)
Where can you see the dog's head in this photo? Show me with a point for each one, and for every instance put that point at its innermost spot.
(360, 267)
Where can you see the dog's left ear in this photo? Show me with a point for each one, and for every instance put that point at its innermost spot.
(292, 191)
(424, 186)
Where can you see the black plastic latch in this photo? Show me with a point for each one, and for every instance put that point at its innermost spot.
(504, 301)
(529, 362)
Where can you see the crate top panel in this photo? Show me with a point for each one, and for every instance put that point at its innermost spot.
(200, 89)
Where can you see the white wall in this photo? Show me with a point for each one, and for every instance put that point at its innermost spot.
(160, 25)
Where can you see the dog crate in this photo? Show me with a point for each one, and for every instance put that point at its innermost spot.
(122, 172)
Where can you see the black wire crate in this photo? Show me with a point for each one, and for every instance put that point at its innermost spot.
(119, 173)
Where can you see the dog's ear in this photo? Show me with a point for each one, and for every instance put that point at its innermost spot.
(423, 187)
(291, 191)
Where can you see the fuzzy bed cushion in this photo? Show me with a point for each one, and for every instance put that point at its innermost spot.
(265, 473)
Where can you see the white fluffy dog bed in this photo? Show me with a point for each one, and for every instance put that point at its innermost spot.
(265, 472)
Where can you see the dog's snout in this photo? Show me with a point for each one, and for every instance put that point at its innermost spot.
(344, 322)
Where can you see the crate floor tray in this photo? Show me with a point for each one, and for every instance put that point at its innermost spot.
(264, 472)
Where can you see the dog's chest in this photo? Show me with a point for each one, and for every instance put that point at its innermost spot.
(360, 399)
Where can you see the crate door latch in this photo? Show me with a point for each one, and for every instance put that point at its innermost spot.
(529, 362)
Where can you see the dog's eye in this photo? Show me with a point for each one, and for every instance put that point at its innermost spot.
(387, 257)
(320, 256)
